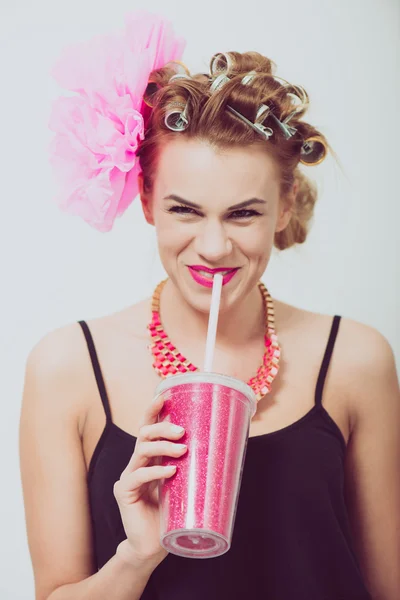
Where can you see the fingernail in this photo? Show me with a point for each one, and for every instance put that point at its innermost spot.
(177, 429)
(170, 468)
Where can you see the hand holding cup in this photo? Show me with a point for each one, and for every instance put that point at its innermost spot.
(136, 492)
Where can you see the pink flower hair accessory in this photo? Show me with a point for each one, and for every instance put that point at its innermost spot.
(97, 133)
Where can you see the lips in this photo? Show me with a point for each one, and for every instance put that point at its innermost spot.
(204, 276)
(200, 269)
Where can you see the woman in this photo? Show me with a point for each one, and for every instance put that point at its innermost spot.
(318, 514)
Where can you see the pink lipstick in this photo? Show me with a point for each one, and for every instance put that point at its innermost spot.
(204, 275)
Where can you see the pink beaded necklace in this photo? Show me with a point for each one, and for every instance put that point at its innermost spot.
(169, 361)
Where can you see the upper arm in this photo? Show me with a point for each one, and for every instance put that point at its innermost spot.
(372, 474)
(53, 471)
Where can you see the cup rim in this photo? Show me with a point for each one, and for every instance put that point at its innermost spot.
(232, 382)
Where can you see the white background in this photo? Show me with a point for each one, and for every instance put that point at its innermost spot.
(55, 269)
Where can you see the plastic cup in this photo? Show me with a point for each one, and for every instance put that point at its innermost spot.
(198, 504)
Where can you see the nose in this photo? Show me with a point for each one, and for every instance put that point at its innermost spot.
(212, 243)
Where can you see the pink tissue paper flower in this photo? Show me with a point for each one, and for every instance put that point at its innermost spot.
(93, 152)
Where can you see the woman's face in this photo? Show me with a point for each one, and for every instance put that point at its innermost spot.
(214, 210)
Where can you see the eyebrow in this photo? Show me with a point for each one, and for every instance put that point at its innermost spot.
(234, 207)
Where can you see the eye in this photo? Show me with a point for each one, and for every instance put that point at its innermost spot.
(244, 214)
(182, 210)
(237, 214)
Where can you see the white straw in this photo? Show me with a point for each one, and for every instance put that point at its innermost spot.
(213, 322)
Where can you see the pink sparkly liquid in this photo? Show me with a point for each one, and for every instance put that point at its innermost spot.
(198, 504)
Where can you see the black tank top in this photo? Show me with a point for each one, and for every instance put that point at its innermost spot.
(292, 538)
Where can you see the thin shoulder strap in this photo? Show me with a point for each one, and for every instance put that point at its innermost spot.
(96, 369)
(326, 360)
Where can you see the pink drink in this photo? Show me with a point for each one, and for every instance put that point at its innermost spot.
(198, 504)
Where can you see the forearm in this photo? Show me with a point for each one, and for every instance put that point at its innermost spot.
(119, 579)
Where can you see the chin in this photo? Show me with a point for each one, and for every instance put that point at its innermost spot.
(199, 297)
(202, 305)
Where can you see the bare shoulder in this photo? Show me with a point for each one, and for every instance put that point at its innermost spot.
(370, 368)
(58, 361)
(365, 344)
(55, 348)
(367, 353)
(361, 346)
(363, 360)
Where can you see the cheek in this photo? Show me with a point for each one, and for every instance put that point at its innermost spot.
(255, 240)
(171, 235)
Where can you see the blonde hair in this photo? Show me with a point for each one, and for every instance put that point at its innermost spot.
(207, 118)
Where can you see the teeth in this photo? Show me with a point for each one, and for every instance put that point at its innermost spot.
(211, 275)
(205, 274)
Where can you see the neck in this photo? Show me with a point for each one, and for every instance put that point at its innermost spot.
(237, 326)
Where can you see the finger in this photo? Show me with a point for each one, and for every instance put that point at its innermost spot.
(150, 415)
(162, 448)
(127, 490)
(150, 419)
(164, 429)
(146, 451)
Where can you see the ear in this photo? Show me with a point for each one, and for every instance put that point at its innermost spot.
(286, 208)
(146, 200)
